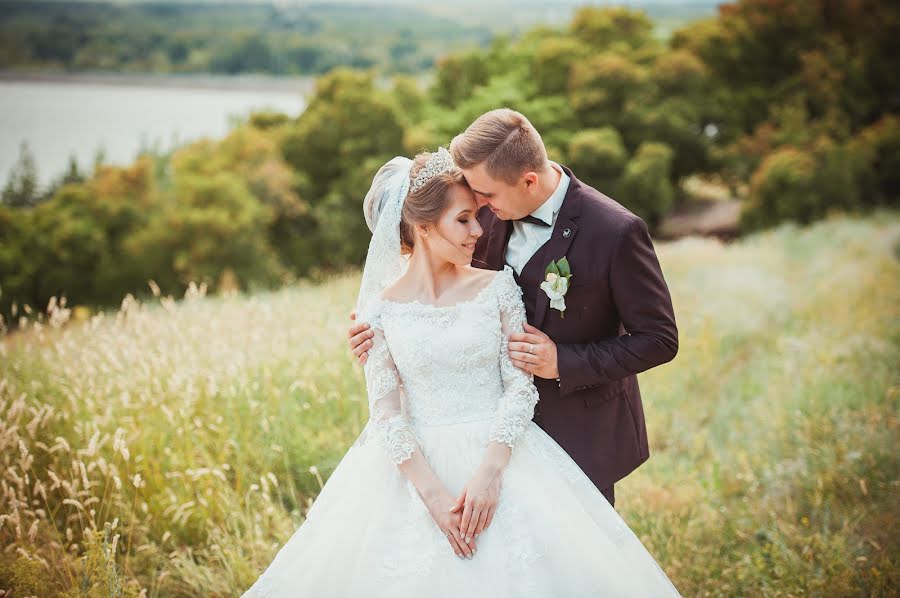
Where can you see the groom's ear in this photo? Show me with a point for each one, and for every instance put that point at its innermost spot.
(531, 180)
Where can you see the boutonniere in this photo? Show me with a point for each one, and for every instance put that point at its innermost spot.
(556, 284)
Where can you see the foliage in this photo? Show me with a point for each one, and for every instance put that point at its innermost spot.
(790, 105)
(553, 60)
(645, 186)
(784, 188)
(308, 39)
(349, 130)
(457, 77)
(598, 155)
(602, 86)
(609, 28)
(216, 223)
(878, 146)
(21, 189)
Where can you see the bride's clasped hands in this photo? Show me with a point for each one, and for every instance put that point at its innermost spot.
(481, 495)
(439, 501)
(463, 519)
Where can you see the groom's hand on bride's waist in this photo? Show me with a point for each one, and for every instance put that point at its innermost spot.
(360, 335)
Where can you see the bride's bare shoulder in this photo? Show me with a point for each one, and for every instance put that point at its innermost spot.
(469, 284)
(478, 278)
(398, 291)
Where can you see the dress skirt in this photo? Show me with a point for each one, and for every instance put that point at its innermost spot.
(368, 533)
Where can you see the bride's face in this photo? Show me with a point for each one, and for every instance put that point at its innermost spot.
(452, 238)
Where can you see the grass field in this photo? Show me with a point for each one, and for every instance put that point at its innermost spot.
(169, 449)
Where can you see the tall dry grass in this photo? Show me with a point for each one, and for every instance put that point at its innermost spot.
(170, 448)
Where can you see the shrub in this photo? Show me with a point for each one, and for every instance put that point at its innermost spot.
(645, 187)
(598, 156)
(878, 148)
(782, 188)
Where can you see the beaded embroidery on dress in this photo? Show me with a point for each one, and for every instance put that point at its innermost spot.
(440, 381)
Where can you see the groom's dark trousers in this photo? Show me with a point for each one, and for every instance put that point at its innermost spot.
(618, 322)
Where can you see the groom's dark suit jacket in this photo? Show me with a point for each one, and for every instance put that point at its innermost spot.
(618, 322)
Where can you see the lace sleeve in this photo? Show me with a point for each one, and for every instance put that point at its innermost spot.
(519, 393)
(387, 416)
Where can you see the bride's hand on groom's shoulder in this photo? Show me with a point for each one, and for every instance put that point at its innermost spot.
(360, 336)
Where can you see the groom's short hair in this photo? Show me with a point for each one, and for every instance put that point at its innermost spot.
(505, 141)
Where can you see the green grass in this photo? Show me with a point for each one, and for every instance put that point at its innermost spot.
(773, 433)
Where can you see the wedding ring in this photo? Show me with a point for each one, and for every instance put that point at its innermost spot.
(531, 349)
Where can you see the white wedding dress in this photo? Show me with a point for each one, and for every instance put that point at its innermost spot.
(440, 381)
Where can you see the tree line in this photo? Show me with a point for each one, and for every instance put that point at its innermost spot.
(226, 38)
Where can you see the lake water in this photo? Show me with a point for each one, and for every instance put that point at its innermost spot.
(58, 118)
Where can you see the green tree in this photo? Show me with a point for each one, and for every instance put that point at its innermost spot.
(410, 99)
(677, 122)
(21, 190)
(348, 127)
(254, 156)
(645, 187)
(601, 87)
(553, 62)
(598, 157)
(878, 148)
(19, 263)
(838, 174)
(833, 53)
(81, 235)
(614, 28)
(457, 76)
(212, 223)
(252, 53)
(72, 175)
(783, 188)
(681, 73)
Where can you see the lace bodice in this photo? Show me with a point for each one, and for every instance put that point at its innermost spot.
(435, 365)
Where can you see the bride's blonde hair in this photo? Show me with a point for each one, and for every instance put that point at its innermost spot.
(426, 204)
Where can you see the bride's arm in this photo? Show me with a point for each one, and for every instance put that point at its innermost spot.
(481, 494)
(393, 432)
(520, 395)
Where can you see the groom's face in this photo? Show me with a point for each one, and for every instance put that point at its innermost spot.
(507, 202)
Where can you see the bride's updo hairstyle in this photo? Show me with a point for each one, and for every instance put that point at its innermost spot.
(426, 204)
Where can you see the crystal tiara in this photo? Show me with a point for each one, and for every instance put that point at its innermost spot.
(438, 163)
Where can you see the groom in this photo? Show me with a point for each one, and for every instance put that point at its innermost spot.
(617, 319)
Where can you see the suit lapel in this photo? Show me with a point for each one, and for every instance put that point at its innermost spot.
(564, 232)
(498, 232)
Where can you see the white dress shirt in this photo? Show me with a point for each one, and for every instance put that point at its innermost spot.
(527, 238)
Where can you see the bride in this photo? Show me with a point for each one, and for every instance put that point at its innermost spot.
(449, 415)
